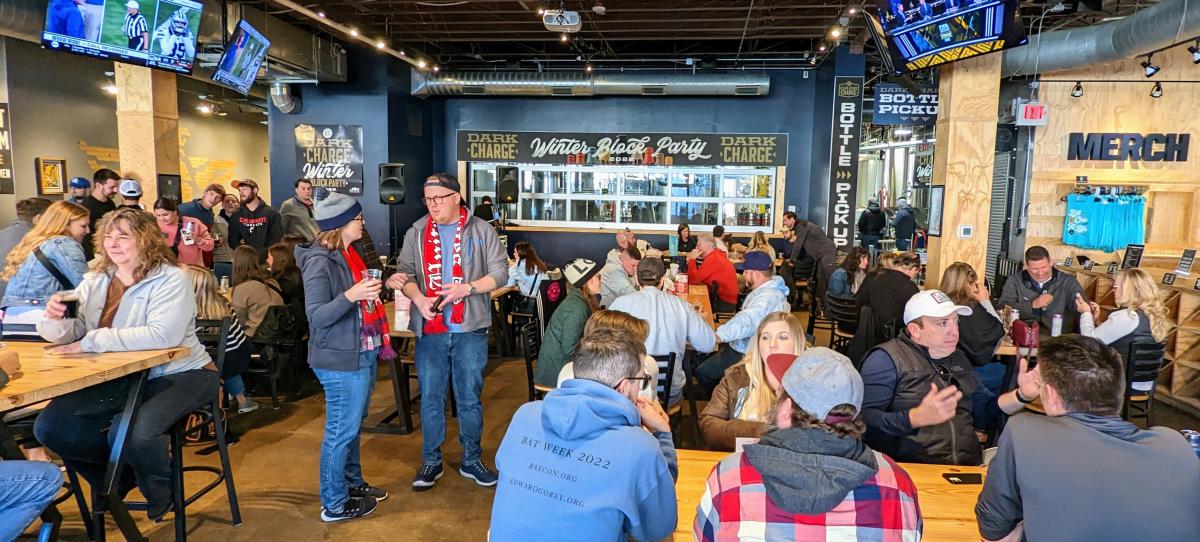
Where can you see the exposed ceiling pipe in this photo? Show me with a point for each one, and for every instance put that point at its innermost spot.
(569, 84)
(283, 99)
(1153, 28)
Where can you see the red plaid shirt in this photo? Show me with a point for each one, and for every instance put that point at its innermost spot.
(735, 506)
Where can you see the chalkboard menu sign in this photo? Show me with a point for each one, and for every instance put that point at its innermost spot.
(1185, 262)
(1133, 256)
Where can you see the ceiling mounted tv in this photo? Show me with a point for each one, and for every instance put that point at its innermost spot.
(243, 56)
(918, 34)
(155, 33)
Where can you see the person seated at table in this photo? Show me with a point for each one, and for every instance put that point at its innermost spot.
(759, 243)
(347, 340)
(718, 233)
(687, 241)
(56, 236)
(674, 324)
(1140, 314)
(281, 265)
(254, 291)
(29, 210)
(625, 239)
(527, 274)
(1081, 473)
(742, 401)
(625, 484)
(211, 305)
(189, 248)
(566, 324)
(920, 389)
(979, 333)
(1040, 291)
(636, 328)
(616, 277)
(881, 302)
(768, 294)
(811, 476)
(134, 298)
(715, 272)
(848, 277)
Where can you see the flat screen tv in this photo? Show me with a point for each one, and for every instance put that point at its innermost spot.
(245, 53)
(918, 34)
(155, 33)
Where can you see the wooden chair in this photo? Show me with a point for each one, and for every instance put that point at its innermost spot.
(1143, 360)
(843, 312)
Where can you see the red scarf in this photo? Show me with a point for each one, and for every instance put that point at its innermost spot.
(432, 267)
(374, 322)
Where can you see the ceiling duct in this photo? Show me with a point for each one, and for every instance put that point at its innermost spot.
(582, 84)
(283, 99)
(1153, 28)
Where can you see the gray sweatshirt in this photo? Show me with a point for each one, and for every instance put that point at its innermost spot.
(1020, 290)
(483, 256)
(1082, 477)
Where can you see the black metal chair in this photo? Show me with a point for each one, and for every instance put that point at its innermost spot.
(274, 347)
(531, 345)
(1005, 267)
(1143, 360)
(666, 372)
(843, 312)
(713, 299)
(210, 413)
(802, 279)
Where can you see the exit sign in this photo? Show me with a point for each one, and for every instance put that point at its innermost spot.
(1032, 114)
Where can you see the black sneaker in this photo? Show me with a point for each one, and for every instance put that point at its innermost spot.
(427, 477)
(479, 472)
(356, 507)
(366, 490)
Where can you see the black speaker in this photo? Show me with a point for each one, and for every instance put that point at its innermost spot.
(507, 188)
(391, 184)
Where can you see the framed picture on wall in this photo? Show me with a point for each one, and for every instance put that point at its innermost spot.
(51, 175)
(936, 193)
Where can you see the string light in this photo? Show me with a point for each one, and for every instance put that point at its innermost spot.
(564, 38)
(822, 48)
(588, 68)
(380, 44)
(835, 32)
(421, 64)
(354, 32)
(321, 14)
(853, 10)
(436, 68)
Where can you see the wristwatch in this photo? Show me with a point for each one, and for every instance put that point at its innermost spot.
(473, 290)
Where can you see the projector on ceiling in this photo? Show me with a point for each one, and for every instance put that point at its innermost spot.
(562, 21)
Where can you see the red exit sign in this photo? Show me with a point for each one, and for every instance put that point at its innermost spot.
(1032, 114)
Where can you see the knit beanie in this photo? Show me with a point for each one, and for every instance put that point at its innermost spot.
(333, 210)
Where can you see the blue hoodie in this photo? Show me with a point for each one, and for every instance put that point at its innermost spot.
(769, 297)
(579, 466)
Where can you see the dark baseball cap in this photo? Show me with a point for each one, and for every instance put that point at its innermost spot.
(757, 261)
(443, 180)
(650, 269)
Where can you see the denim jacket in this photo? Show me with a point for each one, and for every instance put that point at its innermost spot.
(528, 283)
(33, 284)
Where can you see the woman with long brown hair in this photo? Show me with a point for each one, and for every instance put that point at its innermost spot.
(254, 290)
(1140, 314)
(526, 273)
(741, 402)
(187, 236)
(32, 279)
(135, 298)
(566, 326)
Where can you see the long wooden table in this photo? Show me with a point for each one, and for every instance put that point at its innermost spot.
(697, 297)
(948, 510)
(44, 377)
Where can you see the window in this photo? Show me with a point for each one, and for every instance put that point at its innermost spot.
(644, 197)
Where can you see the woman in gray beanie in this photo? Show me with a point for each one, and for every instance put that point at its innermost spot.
(347, 332)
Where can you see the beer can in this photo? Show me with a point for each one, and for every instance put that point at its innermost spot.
(1056, 326)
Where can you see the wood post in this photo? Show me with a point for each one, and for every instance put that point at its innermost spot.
(147, 126)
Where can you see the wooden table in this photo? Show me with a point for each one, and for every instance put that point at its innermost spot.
(697, 297)
(45, 377)
(948, 510)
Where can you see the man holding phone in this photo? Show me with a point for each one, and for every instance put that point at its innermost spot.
(1081, 473)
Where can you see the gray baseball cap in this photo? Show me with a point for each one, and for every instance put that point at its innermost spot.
(821, 379)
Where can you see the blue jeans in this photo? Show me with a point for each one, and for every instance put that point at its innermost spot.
(347, 396)
(235, 386)
(26, 488)
(903, 244)
(869, 240)
(461, 356)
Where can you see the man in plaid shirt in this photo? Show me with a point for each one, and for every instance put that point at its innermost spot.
(810, 477)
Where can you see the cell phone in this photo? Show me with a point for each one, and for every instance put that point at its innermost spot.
(963, 478)
(437, 304)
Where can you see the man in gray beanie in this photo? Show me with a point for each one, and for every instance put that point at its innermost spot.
(455, 259)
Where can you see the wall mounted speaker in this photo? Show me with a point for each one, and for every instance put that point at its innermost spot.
(391, 184)
(507, 187)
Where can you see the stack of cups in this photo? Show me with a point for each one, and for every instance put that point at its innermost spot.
(402, 307)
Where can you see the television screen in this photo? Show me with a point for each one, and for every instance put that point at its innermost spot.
(155, 33)
(917, 34)
(245, 53)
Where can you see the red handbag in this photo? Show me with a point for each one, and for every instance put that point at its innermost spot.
(1025, 333)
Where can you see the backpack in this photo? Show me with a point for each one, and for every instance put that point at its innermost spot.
(278, 327)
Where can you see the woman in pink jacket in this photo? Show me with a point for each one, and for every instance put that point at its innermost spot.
(187, 237)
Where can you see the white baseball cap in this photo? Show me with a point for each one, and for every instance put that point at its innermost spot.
(934, 304)
(130, 188)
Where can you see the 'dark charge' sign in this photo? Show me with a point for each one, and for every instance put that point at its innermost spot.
(331, 156)
(685, 149)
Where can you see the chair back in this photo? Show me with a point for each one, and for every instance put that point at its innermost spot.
(551, 294)
(278, 327)
(1005, 267)
(1143, 359)
(531, 345)
(666, 374)
(214, 335)
(804, 269)
(844, 313)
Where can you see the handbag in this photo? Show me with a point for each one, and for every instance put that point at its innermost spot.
(1025, 335)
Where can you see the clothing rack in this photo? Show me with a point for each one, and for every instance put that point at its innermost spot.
(1105, 190)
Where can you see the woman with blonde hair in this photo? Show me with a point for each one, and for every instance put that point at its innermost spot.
(759, 243)
(741, 403)
(1140, 314)
(211, 305)
(981, 331)
(48, 259)
(637, 328)
(134, 298)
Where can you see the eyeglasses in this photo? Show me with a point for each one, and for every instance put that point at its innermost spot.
(437, 200)
(647, 380)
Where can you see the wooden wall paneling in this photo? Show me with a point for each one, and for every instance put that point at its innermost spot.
(147, 126)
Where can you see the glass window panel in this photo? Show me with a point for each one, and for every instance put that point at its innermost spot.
(543, 209)
(752, 214)
(484, 180)
(739, 186)
(593, 211)
(704, 214)
(705, 185)
(644, 212)
(588, 182)
(762, 186)
(544, 182)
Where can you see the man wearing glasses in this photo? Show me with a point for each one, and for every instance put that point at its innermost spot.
(920, 392)
(592, 461)
(454, 260)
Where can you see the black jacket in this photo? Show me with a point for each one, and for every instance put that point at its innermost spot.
(978, 335)
(886, 294)
(259, 228)
(96, 210)
(905, 223)
(872, 221)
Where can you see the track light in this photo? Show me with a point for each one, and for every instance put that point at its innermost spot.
(321, 14)
(822, 48)
(1195, 50)
(598, 8)
(564, 38)
(421, 64)
(1077, 91)
(588, 68)
(380, 44)
(1156, 92)
(836, 32)
(354, 32)
(110, 88)
(1150, 69)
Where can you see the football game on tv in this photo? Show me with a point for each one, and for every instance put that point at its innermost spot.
(243, 56)
(154, 33)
